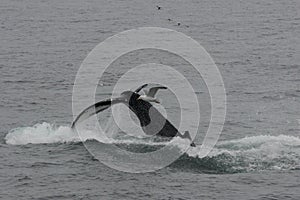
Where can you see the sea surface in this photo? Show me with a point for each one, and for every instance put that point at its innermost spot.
(255, 45)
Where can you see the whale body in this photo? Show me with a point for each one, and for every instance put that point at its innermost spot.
(151, 120)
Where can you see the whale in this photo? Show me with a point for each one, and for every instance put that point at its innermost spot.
(151, 120)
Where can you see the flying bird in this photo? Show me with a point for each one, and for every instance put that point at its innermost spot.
(150, 94)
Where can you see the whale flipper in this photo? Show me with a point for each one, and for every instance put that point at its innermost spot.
(96, 108)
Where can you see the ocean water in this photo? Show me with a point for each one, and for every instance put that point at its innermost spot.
(255, 44)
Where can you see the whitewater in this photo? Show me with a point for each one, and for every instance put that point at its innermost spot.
(256, 153)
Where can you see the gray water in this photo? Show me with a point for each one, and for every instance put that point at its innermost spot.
(255, 44)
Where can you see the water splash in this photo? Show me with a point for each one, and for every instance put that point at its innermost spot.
(44, 133)
(256, 153)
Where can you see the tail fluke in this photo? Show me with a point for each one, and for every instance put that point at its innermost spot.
(188, 136)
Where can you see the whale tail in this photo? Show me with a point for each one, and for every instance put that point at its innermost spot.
(188, 136)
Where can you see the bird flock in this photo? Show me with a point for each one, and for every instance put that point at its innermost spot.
(169, 19)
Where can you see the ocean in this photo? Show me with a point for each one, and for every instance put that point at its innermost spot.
(255, 45)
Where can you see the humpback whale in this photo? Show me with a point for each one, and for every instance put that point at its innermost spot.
(151, 120)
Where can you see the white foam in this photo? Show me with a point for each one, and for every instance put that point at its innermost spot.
(277, 152)
(259, 152)
(44, 133)
(249, 153)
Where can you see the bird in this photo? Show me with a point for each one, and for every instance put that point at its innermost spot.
(150, 94)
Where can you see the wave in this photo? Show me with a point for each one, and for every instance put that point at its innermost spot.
(256, 153)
